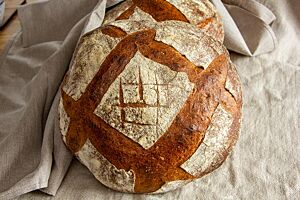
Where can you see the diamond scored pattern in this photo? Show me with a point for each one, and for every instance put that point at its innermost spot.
(144, 100)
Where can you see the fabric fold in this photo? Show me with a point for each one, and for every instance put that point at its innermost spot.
(254, 7)
(51, 20)
(96, 17)
(258, 36)
(247, 26)
(35, 156)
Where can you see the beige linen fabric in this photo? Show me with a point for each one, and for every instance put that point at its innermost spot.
(33, 155)
(264, 164)
(247, 26)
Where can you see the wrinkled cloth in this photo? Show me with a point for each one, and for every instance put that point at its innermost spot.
(263, 165)
(246, 23)
(247, 26)
(32, 68)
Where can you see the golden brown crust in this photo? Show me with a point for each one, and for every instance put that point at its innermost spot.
(217, 85)
(162, 10)
(181, 137)
(233, 105)
(113, 31)
(213, 26)
(127, 13)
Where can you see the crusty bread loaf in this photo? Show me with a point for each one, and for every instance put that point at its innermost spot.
(152, 101)
(201, 13)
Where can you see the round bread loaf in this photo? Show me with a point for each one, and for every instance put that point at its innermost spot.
(151, 101)
(201, 13)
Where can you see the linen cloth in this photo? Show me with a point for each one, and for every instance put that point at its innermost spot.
(246, 24)
(263, 165)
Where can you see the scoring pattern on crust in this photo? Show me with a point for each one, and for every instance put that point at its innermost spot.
(175, 34)
(90, 58)
(210, 97)
(197, 12)
(144, 99)
(103, 170)
(202, 14)
(216, 140)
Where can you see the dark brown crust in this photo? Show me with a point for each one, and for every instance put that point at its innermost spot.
(213, 27)
(155, 166)
(113, 31)
(236, 83)
(205, 22)
(233, 105)
(160, 10)
(126, 14)
(160, 163)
